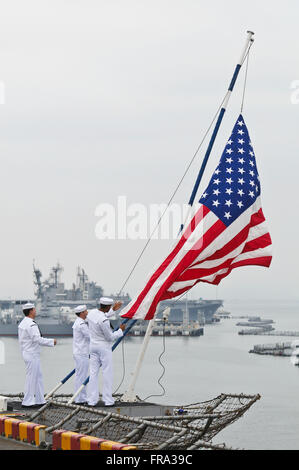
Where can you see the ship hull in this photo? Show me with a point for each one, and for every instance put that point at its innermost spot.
(47, 330)
(52, 330)
(200, 312)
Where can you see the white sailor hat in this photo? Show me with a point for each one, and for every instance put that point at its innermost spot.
(28, 306)
(80, 309)
(106, 301)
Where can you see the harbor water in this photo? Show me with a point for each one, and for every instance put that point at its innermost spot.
(198, 369)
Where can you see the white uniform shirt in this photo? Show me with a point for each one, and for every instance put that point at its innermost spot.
(100, 330)
(30, 338)
(81, 337)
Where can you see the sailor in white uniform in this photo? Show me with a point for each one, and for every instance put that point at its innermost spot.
(81, 341)
(30, 341)
(101, 341)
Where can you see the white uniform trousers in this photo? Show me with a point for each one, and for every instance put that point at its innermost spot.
(81, 374)
(34, 388)
(100, 356)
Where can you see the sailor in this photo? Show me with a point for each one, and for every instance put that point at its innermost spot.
(81, 341)
(30, 340)
(101, 339)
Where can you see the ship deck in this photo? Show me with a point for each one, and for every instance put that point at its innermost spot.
(147, 426)
(9, 444)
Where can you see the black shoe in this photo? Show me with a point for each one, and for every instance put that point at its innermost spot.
(37, 405)
(109, 406)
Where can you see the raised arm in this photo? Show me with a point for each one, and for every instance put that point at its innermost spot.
(108, 334)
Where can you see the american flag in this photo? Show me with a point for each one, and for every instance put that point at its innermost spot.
(227, 230)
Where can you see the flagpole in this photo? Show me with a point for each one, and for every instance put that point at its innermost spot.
(249, 40)
(129, 394)
(247, 45)
(60, 384)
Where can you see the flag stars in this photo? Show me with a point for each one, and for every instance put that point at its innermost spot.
(228, 203)
(234, 185)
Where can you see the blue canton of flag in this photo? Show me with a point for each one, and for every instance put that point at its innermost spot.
(235, 184)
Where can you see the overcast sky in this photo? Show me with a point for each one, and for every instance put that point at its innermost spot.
(109, 98)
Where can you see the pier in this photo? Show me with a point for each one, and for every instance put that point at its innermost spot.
(268, 332)
(274, 349)
(283, 333)
(262, 330)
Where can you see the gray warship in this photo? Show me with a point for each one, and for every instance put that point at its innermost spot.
(55, 306)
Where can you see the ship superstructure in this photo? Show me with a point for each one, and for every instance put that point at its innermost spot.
(52, 291)
(55, 307)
